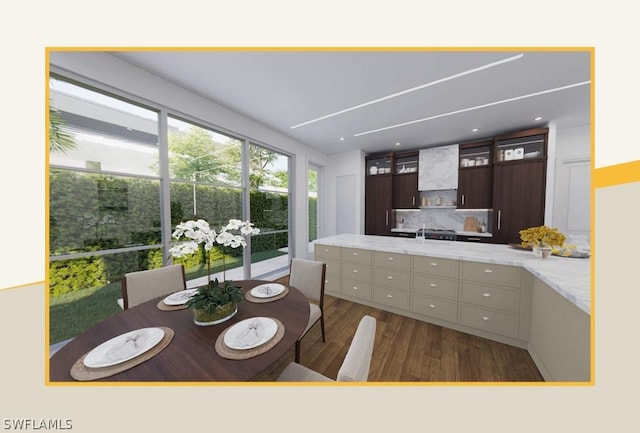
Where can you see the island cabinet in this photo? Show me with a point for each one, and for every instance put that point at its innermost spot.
(493, 300)
(434, 291)
(331, 256)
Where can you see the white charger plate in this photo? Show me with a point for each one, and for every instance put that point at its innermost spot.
(123, 347)
(180, 298)
(250, 333)
(268, 290)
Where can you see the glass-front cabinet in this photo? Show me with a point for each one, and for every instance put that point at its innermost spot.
(475, 154)
(406, 163)
(379, 164)
(530, 146)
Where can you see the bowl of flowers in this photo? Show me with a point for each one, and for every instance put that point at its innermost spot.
(542, 240)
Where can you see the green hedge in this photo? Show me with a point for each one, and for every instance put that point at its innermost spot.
(93, 212)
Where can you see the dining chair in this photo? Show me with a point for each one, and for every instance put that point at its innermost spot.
(356, 364)
(308, 277)
(141, 286)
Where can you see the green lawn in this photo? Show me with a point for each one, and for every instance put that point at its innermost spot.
(73, 313)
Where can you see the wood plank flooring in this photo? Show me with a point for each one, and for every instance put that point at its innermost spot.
(408, 350)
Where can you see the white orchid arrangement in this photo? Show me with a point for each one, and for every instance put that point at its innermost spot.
(200, 232)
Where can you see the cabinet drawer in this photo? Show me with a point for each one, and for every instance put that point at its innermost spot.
(491, 273)
(333, 268)
(500, 298)
(356, 255)
(392, 278)
(396, 298)
(434, 307)
(332, 283)
(356, 271)
(355, 288)
(435, 286)
(498, 322)
(435, 266)
(326, 252)
(392, 260)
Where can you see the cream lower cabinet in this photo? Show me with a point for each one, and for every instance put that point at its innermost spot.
(560, 342)
(434, 290)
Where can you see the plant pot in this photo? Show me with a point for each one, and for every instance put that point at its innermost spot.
(541, 252)
(219, 315)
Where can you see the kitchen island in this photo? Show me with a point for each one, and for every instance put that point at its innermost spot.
(493, 291)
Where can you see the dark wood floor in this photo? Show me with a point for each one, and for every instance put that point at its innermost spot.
(408, 350)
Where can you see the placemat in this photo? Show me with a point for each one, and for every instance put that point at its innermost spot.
(249, 297)
(81, 372)
(226, 352)
(164, 307)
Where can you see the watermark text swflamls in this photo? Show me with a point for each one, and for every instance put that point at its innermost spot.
(37, 424)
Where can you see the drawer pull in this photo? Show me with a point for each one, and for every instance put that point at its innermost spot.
(390, 258)
(433, 285)
(355, 254)
(355, 288)
(326, 281)
(488, 271)
(432, 306)
(433, 264)
(326, 250)
(355, 271)
(485, 318)
(389, 296)
(389, 277)
(486, 295)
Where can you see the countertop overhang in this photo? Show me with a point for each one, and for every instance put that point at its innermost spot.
(569, 277)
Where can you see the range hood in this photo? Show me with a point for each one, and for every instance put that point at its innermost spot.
(438, 168)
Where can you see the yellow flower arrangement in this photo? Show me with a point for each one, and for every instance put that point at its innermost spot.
(542, 236)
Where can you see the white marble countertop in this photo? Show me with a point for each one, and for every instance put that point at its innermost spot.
(570, 277)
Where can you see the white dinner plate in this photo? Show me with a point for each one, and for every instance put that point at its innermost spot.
(267, 290)
(250, 333)
(123, 347)
(180, 298)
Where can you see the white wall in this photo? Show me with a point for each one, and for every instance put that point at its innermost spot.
(571, 199)
(344, 164)
(110, 71)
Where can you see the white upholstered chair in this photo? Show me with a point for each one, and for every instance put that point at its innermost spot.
(356, 364)
(141, 286)
(308, 277)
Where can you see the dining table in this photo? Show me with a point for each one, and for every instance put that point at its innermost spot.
(191, 355)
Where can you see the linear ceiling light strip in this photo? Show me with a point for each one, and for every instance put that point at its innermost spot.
(413, 89)
(477, 107)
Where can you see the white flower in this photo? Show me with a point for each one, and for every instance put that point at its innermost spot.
(201, 233)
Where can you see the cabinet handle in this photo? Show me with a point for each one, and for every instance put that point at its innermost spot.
(386, 218)
(433, 264)
(462, 196)
(486, 295)
(389, 296)
(355, 271)
(355, 288)
(488, 271)
(326, 250)
(413, 202)
(389, 277)
(355, 254)
(390, 259)
(485, 318)
(499, 219)
(326, 281)
(432, 285)
(432, 306)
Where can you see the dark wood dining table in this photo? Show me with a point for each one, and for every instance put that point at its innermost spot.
(191, 355)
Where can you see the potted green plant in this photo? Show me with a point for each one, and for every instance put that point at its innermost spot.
(214, 302)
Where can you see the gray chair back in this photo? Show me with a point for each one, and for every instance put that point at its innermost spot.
(142, 286)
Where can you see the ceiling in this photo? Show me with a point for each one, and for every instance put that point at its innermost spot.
(375, 99)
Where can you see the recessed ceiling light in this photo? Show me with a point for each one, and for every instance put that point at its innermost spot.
(538, 118)
(413, 89)
(397, 144)
(474, 130)
(341, 138)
